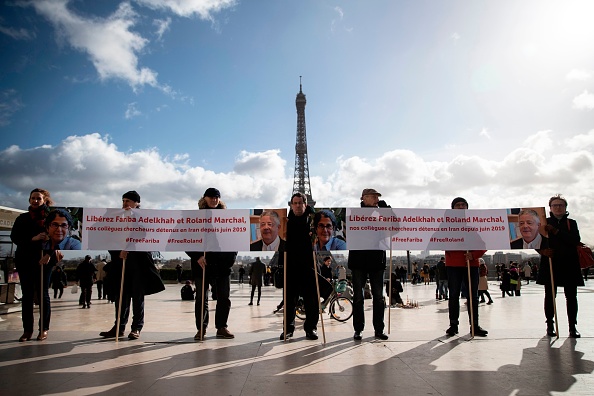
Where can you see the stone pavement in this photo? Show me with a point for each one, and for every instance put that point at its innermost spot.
(515, 359)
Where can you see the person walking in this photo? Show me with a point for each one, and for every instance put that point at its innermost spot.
(257, 271)
(483, 285)
(85, 274)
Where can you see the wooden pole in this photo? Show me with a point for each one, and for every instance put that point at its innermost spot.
(470, 304)
(553, 294)
(315, 268)
(41, 297)
(390, 290)
(120, 301)
(285, 296)
(203, 299)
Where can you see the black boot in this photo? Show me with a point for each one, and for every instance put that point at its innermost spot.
(551, 329)
(573, 333)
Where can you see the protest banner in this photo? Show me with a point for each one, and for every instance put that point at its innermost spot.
(165, 230)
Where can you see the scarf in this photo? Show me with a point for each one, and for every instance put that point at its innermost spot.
(38, 215)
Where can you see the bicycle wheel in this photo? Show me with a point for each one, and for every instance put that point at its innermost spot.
(341, 309)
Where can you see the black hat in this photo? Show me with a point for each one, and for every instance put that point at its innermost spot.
(132, 195)
(458, 199)
(212, 193)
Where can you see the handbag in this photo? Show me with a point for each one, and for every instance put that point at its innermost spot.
(74, 289)
(585, 256)
(584, 253)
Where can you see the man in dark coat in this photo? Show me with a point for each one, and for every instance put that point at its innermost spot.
(141, 278)
(85, 274)
(561, 249)
(217, 266)
(372, 264)
(257, 270)
(301, 273)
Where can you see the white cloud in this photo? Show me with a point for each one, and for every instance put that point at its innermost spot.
(162, 26)
(579, 75)
(91, 171)
(132, 111)
(485, 132)
(18, 34)
(109, 42)
(584, 101)
(188, 8)
(10, 103)
(455, 36)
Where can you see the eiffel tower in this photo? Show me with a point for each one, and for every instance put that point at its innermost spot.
(301, 177)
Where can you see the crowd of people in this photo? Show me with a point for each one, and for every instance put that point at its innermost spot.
(41, 234)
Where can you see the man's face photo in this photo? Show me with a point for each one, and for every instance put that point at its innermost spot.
(268, 229)
(58, 229)
(528, 227)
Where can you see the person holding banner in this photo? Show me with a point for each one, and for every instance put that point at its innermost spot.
(372, 263)
(457, 262)
(217, 267)
(141, 278)
(561, 249)
(27, 234)
(300, 273)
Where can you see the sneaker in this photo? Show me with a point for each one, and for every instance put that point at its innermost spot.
(452, 331)
(289, 335)
(224, 333)
(480, 332)
(573, 333)
(357, 336)
(381, 336)
(490, 302)
(311, 335)
(111, 333)
(134, 335)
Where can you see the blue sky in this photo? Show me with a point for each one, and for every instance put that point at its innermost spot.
(422, 100)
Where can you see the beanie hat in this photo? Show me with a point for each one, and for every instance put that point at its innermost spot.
(132, 195)
(458, 199)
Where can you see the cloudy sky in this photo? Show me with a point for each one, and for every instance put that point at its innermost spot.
(422, 100)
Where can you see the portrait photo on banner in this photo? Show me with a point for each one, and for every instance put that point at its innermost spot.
(527, 227)
(329, 229)
(268, 230)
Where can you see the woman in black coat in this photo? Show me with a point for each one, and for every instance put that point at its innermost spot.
(561, 248)
(28, 234)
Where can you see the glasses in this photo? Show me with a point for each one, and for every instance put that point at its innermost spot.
(557, 205)
(64, 226)
(327, 226)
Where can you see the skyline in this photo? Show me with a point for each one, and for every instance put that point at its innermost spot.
(421, 101)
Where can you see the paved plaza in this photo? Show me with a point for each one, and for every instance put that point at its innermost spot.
(515, 359)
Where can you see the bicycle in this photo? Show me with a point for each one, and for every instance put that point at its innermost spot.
(340, 307)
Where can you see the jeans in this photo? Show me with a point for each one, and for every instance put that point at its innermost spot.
(30, 284)
(443, 288)
(571, 301)
(306, 288)
(133, 291)
(456, 277)
(222, 284)
(376, 281)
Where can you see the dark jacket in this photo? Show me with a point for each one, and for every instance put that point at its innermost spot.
(28, 253)
(218, 264)
(257, 270)
(368, 260)
(85, 273)
(566, 266)
(138, 264)
(300, 262)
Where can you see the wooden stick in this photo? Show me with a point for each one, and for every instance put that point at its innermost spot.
(203, 299)
(469, 299)
(315, 268)
(554, 297)
(41, 297)
(120, 301)
(285, 296)
(390, 290)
